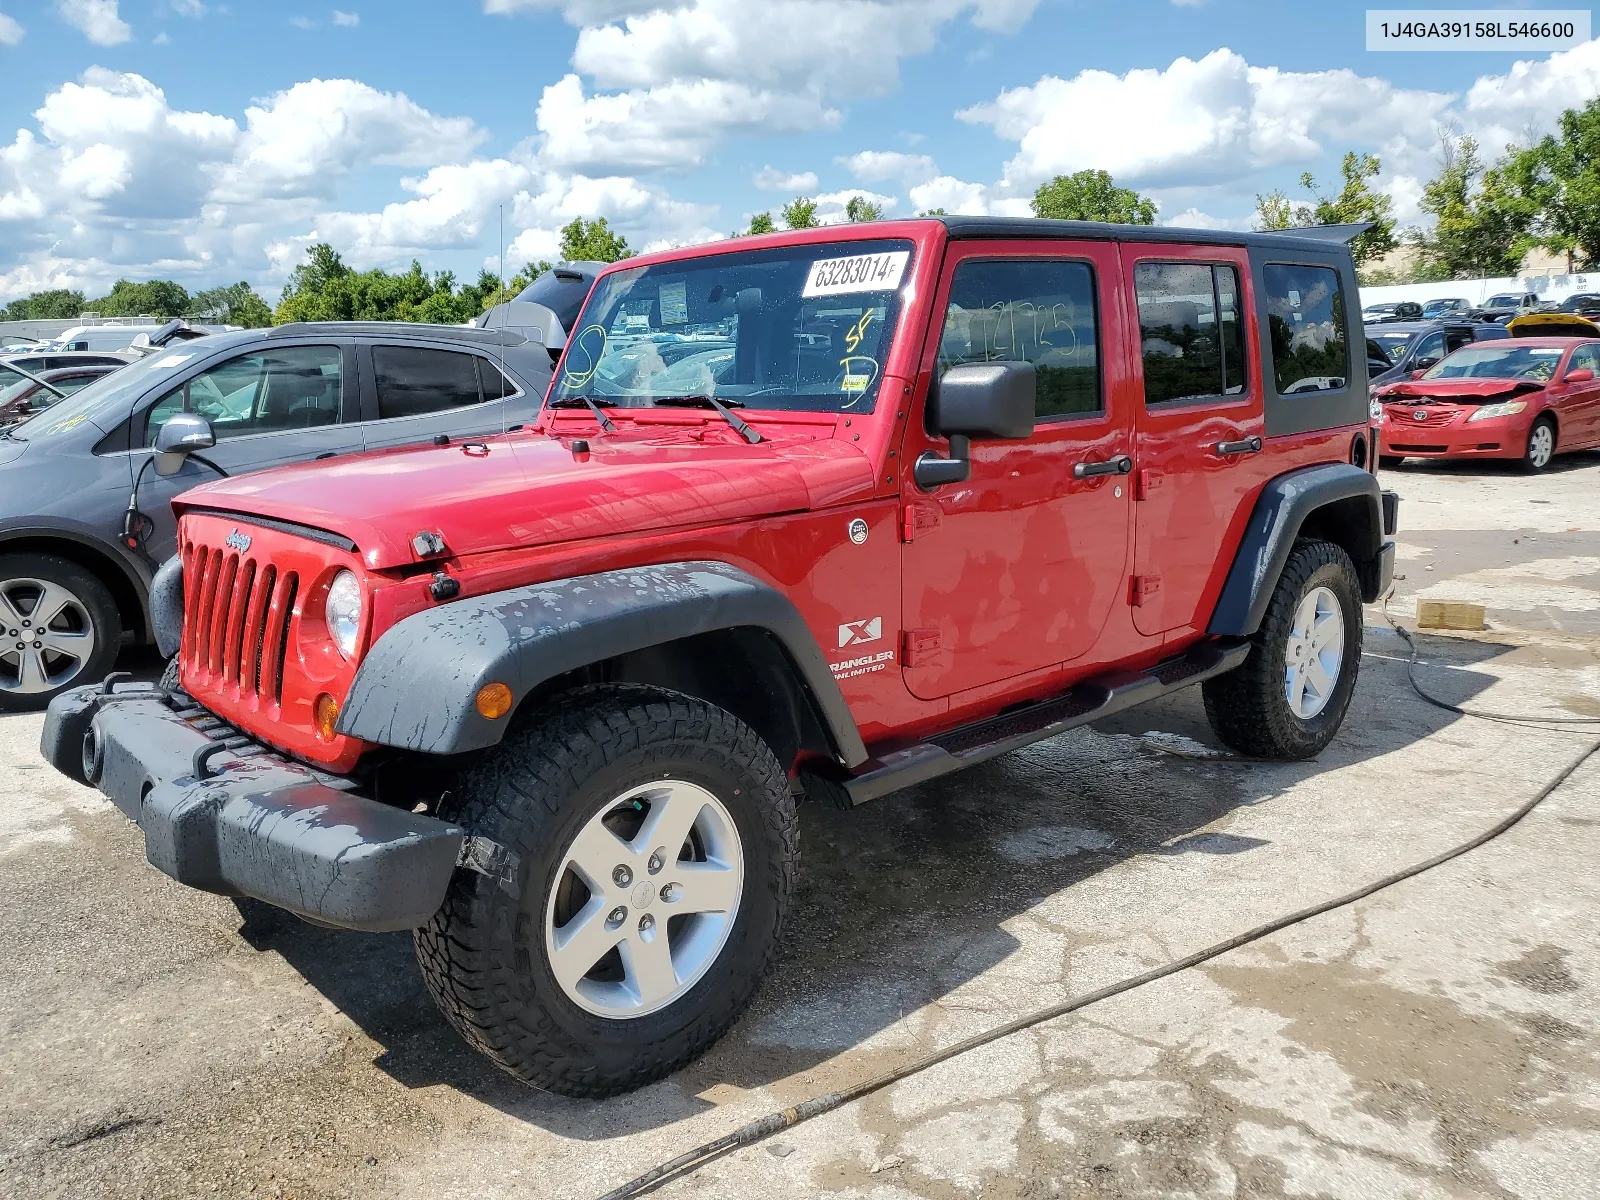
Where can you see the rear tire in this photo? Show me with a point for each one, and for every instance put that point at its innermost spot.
(79, 638)
(1541, 447)
(572, 787)
(1389, 462)
(1288, 698)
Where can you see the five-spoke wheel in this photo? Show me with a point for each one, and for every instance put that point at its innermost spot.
(58, 627)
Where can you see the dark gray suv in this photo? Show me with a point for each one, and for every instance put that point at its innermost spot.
(85, 512)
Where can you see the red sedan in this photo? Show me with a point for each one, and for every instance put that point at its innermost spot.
(1527, 399)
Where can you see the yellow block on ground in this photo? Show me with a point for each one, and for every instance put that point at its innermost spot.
(1449, 614)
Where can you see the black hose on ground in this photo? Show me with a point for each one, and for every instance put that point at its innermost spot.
(772, 1123)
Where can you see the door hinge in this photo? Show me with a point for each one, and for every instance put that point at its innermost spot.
(918, 646)
(919, 520)
(1141, 588)
(1146, 482)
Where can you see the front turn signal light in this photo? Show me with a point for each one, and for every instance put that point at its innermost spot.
(494, 700)
(325, 712)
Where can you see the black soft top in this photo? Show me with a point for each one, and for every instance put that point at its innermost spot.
(1318, 237)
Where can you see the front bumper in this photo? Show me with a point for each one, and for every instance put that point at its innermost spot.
(250, 823)
(1456, 437)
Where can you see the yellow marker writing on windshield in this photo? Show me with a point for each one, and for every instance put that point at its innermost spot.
(853, 338)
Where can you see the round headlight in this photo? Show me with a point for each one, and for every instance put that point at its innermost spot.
(343, 612)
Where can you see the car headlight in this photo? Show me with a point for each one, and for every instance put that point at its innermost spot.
(343, 612)
(1504, 409)
(1375, 409)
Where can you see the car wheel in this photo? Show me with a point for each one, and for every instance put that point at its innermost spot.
(1541, 446)
(645, 849)
(1288, 698)
(59, 628)
(1388, 462)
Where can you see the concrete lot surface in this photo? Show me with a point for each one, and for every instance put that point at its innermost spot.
(1441, 1038)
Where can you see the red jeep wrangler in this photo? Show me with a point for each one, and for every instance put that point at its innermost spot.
(820, 513)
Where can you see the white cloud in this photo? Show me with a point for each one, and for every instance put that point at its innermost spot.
(1501, 109)
(161, 39)
(348, 20)
(302, 22)
(673, 126)
(304, 140)
(831, 205)
(957, 197)
(875, 166)
(11, 32)
(97, 20)
(193, 9)
(769, 179)
(1193, 218)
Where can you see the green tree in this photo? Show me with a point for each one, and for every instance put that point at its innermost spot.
(1092, 196)
(158, 297)
(318, 289)
(1274, 211)
(592, 241)
(1481, 222)
(1559, 180)
(800, 213)
(761, 223)
(859, 208)
(57, 304)
(1355, 202)
(933, 212)
(236, 304)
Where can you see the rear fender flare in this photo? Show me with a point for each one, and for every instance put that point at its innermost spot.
(1280, 513)
(417, 686)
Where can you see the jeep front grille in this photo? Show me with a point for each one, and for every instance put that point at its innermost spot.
(236, 620)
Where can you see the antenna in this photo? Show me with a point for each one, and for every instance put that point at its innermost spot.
(501, 269)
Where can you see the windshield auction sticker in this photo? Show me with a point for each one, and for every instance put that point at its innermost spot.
(1476, 29)
(858, 273)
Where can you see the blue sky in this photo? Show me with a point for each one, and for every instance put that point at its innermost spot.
(212, 142)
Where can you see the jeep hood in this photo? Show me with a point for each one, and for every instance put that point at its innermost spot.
(529, 489)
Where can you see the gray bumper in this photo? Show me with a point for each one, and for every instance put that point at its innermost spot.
(257, 825)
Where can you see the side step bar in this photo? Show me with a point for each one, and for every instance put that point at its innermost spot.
(1080, 704)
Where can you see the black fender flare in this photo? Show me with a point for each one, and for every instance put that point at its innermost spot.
(134, 572)
(1280, 512)
(417, 686)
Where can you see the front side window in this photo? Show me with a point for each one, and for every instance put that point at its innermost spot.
(1429, 350)
(270, 391)
(1040, 311)
(1585, 358)
(413, 380)
(1305, 316)
(1190, 334)
(793, 327)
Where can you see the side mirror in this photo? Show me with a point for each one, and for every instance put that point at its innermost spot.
(1581, 375)
(976, 400)
(180, 436)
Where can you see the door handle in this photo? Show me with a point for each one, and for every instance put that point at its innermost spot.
(1119, 464)
(1249, 445)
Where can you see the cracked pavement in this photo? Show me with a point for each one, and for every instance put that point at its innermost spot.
(1441, 1038)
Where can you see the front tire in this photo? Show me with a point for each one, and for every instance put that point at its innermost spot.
(1541, 446)
(1288, 698)
(652, 855)
(59, 628)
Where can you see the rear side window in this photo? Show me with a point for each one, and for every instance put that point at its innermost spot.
(1039, 311)
(1190, 335)
(413, 380)
(1305, 315)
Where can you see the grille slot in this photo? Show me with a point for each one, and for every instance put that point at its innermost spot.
(236, 621)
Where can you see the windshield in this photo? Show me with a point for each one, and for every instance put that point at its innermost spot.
(1506, 301)
(110, 396)
(1393, 344)
(1537, 363)
(794, 327)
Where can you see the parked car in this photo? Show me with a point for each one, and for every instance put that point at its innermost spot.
(1503, 306)
(1527, 399)
(1585, 304)
(1417, 345)
(32, 393)
(1377, 312)
(1434, 310)
(1549, 323)
(85, 509)
(547, 697)
(56, 360)
(1400, 310)
(122, 337)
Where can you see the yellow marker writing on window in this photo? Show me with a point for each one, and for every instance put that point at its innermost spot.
(852, 339)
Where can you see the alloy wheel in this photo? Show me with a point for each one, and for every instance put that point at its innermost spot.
(46, 636)
(644, 899)
(1541, 445)
(1315, 653)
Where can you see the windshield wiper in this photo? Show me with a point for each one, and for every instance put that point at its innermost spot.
(702, 400)
(593, 406)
